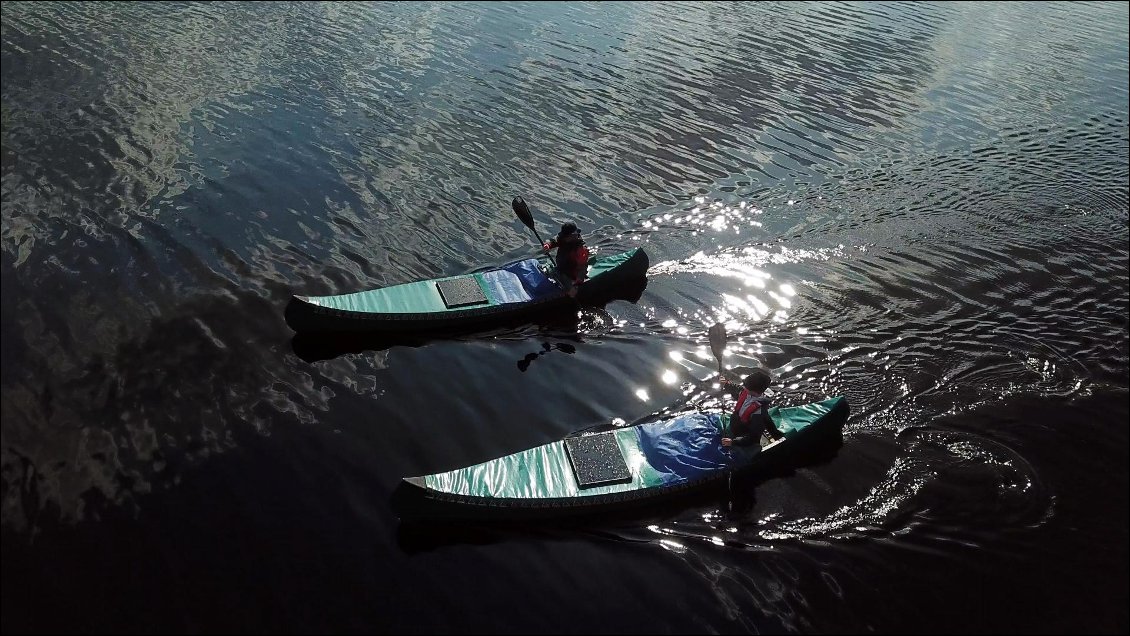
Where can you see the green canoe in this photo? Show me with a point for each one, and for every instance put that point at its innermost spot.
(516, 291)
(626, 467)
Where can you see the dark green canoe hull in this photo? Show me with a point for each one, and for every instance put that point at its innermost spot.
(423, 499)
(326, 314)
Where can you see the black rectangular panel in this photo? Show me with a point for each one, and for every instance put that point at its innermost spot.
(461, 292)
(597, 460)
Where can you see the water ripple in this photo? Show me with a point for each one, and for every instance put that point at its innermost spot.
(922, 207)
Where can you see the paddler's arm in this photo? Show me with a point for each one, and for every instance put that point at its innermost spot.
(728, 386)
(583, 264)
(741, 440)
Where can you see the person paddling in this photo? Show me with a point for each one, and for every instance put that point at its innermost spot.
(572, 257)
(751, 413)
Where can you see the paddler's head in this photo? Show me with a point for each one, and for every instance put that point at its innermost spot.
(758, 381)
(569, 233)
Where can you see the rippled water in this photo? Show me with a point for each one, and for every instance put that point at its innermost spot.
(923, 207)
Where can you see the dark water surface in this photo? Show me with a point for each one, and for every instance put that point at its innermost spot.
(922, 207)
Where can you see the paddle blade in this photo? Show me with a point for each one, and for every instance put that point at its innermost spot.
(717, 334)
(523, 212)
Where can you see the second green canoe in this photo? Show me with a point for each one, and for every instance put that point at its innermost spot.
(608, 471)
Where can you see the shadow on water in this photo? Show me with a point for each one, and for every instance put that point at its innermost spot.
(316, 347)
(564, 347)
(734, 499)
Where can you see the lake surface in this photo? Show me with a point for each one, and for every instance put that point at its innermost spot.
(922, 207)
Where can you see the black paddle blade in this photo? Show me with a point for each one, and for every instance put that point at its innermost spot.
(717, 335)
(523, 212)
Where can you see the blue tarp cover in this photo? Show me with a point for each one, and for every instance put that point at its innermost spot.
(519, 282)
(536, 283)
(684, 448)
(505, 287)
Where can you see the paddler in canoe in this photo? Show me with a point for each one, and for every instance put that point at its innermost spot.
(750, 417)
(572, 257)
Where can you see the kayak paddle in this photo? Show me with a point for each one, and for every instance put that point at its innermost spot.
(717, 334)
(524, 215)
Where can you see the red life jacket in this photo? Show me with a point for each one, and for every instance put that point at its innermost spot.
(750, 414)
